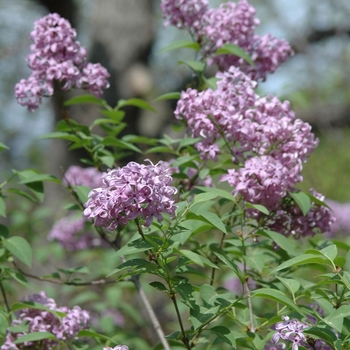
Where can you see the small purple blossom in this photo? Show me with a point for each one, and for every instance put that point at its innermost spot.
(78, 176)
(291, 330)
(44, 321)
(183, 13)
(134, 191)
(118, 347)
(57, 56)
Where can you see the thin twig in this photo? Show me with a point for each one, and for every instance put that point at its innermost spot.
(5, 298)
(184, 336)
(151, 313)
(77, 284)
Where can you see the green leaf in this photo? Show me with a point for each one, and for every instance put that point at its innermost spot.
(34, 337)
(282, 241)
(292, 285)
(4, 232)
(196, 66)
(60, 135)
(231, 49)
(84, 99)
(204, 197)
(22, 194)
(108, 160)
(112, 141)
(210, 218)
(137, 102)
(40, 178)
(224, 335)
(276, 295)
(158, 285)
(2, 207)
(330, 252)
(211, 82)
(218, 191)
(303, 259)
(180, 44)
(137, 246)
(115, 115)
(336, 319)
(20, 248)
(258, 207)
(92, 334)
(169, 96)
(3, 146)
(302, 200)
(82, 192)
(197, 259)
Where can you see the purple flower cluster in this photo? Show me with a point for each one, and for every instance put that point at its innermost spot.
(118, 347)
(263, 180)
(44, 321)
(252, 125)
(72, 234)
(130, 192)
(78, 176)
(57, 56)
(289, 219)
(291, 330)
(183, 13)
(231, 23)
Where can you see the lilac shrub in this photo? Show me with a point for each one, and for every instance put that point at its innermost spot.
(64, 329)
(225, 205)
(57, 56)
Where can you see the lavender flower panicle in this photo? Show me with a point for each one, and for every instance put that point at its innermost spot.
(341, 211)
(72, 234)
(77, 176)
(291, 330)
(57, 56)
(136, 190)
(44, 321)
(231, 23)
(183, 13)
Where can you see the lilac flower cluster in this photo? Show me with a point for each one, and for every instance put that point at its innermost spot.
(44, 321)
(72, 234)
(231, 23)
(78, 176)
(289, 219)
(130, 192)
(291, 330)
(183, 13)
(57, 56)
(252, 125)
(118, 347)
